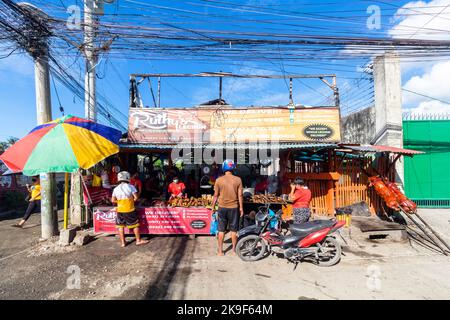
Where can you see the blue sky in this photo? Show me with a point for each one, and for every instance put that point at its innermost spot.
(17, 103)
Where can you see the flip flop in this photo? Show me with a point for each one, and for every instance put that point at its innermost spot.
(16, 226)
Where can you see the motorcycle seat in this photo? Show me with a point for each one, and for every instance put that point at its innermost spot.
(308, 227)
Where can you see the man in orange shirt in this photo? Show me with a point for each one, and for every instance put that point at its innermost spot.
(301, 197)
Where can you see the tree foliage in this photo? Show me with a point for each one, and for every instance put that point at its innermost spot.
(7, 143)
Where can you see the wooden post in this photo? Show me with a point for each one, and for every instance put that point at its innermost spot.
(330, 197)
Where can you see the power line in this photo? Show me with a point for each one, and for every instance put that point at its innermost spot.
(431, 19)
(426, 96)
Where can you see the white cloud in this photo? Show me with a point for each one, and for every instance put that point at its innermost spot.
(430, 107)
(247, 91)
(434, 83)
(277, 99)
(422, 20)
(235, 87)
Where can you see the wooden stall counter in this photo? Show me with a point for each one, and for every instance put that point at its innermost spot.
(158, 220)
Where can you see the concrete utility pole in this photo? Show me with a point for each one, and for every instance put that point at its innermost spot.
(38, 49)
(92, 8)
(90, 29)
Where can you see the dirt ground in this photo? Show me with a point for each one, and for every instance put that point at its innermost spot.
(179, 267)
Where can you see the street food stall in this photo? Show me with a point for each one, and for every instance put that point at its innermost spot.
(271, 146)
(341, 182)
(192, 143)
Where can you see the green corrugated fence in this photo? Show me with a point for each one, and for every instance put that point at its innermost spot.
(427, 176)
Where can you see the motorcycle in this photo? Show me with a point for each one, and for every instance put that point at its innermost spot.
(309, 240)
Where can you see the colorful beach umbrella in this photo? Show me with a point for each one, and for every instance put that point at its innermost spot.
(63, 145)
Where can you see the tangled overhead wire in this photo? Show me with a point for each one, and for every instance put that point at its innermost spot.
(308, 35)
(24, 27)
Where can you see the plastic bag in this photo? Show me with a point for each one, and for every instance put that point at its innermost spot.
(214, 228)
(273, 220)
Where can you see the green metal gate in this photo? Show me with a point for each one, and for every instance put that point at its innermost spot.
(427, 176)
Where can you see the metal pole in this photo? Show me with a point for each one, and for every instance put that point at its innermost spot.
(132, 92)
(291, 99)
(49, 215)
(159, 92)
(220, 88)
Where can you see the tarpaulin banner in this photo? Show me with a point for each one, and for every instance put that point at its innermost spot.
(158, 220)
(215, 125)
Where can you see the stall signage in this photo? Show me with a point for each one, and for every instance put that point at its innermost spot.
(217, 125)
(166, 126)
(158, 220)
(318, 131)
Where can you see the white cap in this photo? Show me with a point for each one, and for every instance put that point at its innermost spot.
(123, 176)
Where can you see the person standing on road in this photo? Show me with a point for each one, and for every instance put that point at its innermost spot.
(124, 195)
(228, 191)
(34, 204)
(301, 197)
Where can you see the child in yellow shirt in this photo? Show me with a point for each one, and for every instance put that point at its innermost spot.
(34, 204)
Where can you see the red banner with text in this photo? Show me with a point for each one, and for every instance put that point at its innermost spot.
(158, 220)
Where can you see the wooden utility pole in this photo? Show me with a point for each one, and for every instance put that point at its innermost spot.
(38, 49)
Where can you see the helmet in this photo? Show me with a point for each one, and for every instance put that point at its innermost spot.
(228, 165)
(123, 176)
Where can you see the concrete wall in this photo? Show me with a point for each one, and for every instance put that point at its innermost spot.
(388, 105)
(359, 127)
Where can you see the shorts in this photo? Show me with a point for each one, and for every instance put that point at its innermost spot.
(127, 219)
(228, 216)
(301, 215)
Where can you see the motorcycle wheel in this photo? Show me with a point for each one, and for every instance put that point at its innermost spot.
(332, 254)
(245, 245)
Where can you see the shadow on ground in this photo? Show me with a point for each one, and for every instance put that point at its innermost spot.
(11, 215)
(159, 288)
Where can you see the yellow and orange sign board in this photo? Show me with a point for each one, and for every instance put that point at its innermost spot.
(225, 124)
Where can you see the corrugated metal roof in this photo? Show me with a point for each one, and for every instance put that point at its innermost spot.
(378, 148)
(280, 145)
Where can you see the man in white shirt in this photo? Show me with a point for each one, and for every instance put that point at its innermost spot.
(124, 195)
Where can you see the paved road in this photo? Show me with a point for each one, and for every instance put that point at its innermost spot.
(180, 267)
